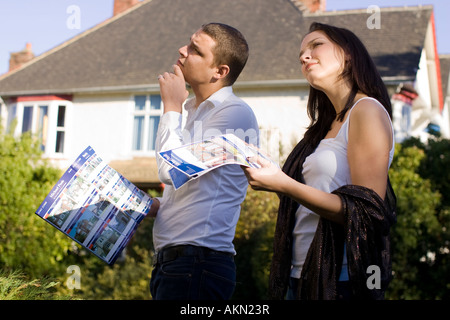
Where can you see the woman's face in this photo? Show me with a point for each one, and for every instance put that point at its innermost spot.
(322, 60)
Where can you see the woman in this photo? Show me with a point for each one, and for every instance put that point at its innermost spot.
(336, 203)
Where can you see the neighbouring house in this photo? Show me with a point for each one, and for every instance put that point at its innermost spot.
(444, 60)
(100, 88)
(404, 49)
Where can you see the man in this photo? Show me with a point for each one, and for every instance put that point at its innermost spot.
(195, 225)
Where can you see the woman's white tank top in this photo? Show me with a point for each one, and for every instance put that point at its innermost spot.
(325, 169)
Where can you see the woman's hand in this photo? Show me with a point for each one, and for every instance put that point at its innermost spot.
(271, 178)
(268, 177)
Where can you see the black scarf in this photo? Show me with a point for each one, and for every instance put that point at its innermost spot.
(366, 234)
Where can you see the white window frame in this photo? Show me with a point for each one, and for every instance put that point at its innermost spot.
(16, 111)
(61, 129)
(2, 113)
(146, 113)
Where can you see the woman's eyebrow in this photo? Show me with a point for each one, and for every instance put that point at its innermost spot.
(303, 51)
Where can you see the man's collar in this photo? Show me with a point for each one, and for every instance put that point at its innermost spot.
(213, 100)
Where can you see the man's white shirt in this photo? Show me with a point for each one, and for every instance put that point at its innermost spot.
(203, 212)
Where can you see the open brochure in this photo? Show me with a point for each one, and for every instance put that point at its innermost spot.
(192, 160)
(95, 206)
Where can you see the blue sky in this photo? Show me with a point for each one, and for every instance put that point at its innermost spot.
(47, 23)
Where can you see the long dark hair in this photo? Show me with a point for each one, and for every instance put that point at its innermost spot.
(360, 70)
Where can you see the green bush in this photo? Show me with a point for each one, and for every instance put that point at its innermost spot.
(421, 237)
(254, 244)
(26, 241)
(16, 286)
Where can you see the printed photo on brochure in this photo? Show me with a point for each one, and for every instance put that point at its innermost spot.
(95, 206)
(195, 159)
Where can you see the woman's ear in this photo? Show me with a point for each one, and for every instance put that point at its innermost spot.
(347, 57)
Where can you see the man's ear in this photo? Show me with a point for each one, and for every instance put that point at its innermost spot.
(222, 71)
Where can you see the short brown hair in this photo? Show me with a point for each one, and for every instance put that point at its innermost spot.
(231, 48)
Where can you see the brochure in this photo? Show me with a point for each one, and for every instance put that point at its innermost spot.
(95, 206)
(195, 159)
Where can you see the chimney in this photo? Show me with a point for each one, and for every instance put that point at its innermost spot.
(123, 5)
(310, 6)
(17, 59)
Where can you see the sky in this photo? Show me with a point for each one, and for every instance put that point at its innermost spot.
(47, 23)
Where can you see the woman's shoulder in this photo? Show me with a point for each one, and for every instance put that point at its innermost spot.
(370, 119)
(369, 109)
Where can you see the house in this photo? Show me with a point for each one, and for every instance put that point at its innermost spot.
(444, 60)
(404, 49)
(100, 88)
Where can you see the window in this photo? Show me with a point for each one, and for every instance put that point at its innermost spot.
(11, 116)
(27, 118)
(42, 126)
(45, 117)
(60, 130)
(147, 112)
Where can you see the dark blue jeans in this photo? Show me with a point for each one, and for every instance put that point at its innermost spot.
(197, 275)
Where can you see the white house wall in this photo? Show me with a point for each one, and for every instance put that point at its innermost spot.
(423, 81)
(281, 115)
(445, 129)
(103, 122)
(426, 108)
(422, 106)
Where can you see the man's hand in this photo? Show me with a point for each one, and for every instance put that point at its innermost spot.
(154, 208)
(173, 90)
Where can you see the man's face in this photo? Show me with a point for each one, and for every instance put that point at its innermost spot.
(197, 60)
